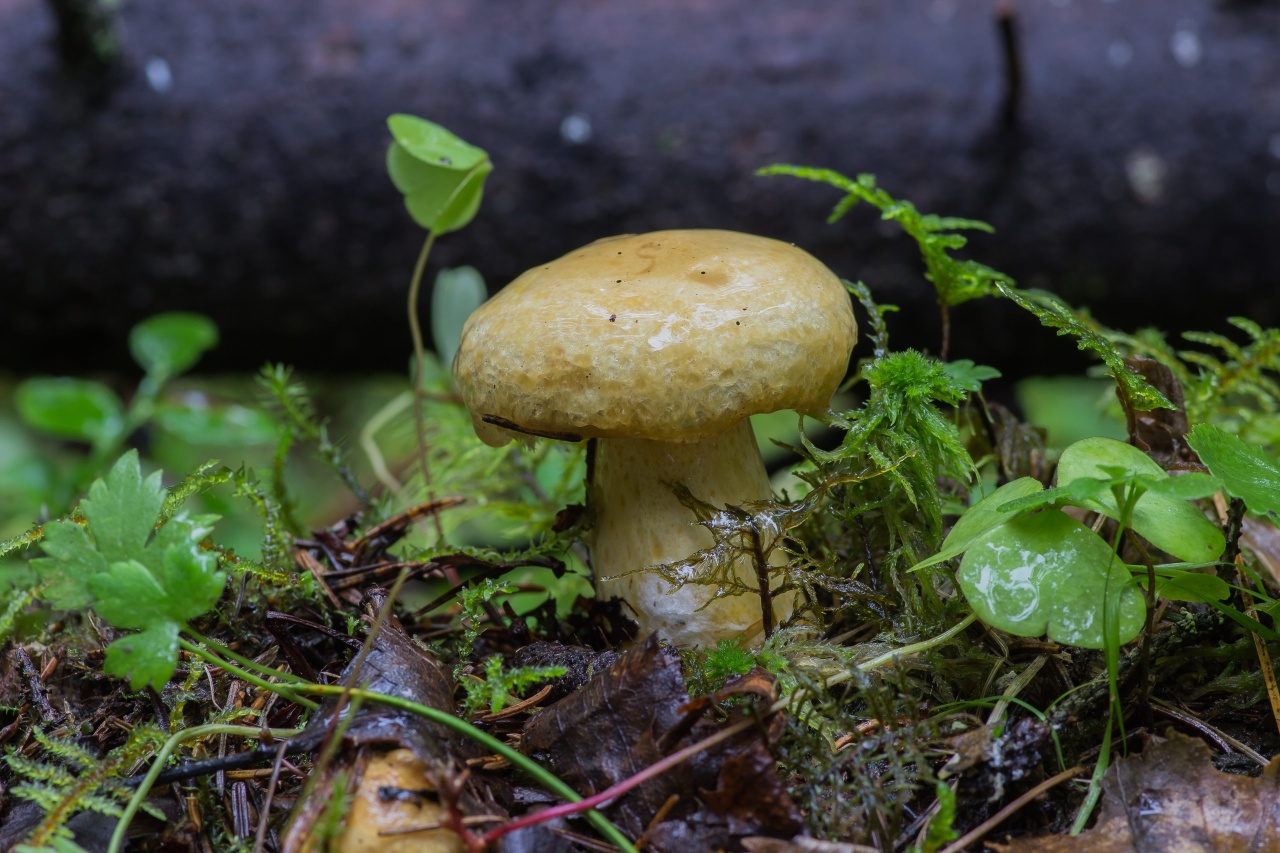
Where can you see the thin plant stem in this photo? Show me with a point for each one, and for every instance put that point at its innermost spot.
(419, 363)
(223, 651)
(286, 689)
(888, 657)
(162, 758)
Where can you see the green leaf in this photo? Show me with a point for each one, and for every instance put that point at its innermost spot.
(135, 575)
(1170, 524)
(441, 177)
(146, 659)
(1189, 586)
(78, 409)
(1191, 486)
(169, 344)
(457, 293)
(969, 376)
(1055, 314)
(981, 518)
(121, 509)
(1247, 472)
(1048, 573)
(71, 561)
(128, 595)
(225, 426)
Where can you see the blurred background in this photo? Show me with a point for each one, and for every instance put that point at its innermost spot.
(227, 158)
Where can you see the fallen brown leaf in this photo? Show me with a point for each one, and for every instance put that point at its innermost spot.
(1170, 799)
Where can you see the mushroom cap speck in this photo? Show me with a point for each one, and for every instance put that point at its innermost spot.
(667, 336)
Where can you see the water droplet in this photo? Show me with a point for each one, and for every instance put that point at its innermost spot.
(575, 129)
(1186, 48)
(1119, 53)
(1146, 171)
(159, 78)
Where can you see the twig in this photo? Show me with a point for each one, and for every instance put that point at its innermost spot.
(263, 817)
(1225, 741)
(162, 758)
(1007, 26)
(614, 791)
(1005, 813)
(32, 675)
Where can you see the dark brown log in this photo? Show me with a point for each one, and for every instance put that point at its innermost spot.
(232, 164)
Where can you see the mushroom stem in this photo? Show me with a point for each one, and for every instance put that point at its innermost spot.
(639, 522)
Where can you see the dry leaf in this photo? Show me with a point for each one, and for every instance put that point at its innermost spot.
(1170, 799)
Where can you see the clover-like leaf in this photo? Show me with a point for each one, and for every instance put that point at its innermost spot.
(1047, 573)
(441, 177)
(1167, 522)
(1247, 472)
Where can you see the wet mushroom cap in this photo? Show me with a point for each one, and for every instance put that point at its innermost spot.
(667, 336)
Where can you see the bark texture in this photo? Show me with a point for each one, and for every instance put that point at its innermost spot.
(232, 161)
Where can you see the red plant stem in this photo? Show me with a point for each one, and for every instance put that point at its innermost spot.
(653, 770)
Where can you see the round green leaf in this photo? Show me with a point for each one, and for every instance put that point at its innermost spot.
(169, 344)
(1170, 524)
(1049, 574)
(457, 293)
(79, 409)
(981, 518)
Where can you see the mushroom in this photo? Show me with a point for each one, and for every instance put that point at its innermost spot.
(660, 346)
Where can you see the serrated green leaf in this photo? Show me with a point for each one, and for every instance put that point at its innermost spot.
(121, 509)
(1049, 574)
(169, 344)
(146, 659)
(981, 518)
(183, 586)
(1247, 472)
(1170, 524)
(78, 409)
(71, 561)
(457, 293)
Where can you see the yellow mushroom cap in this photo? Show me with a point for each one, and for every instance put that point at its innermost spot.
(668, 336)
